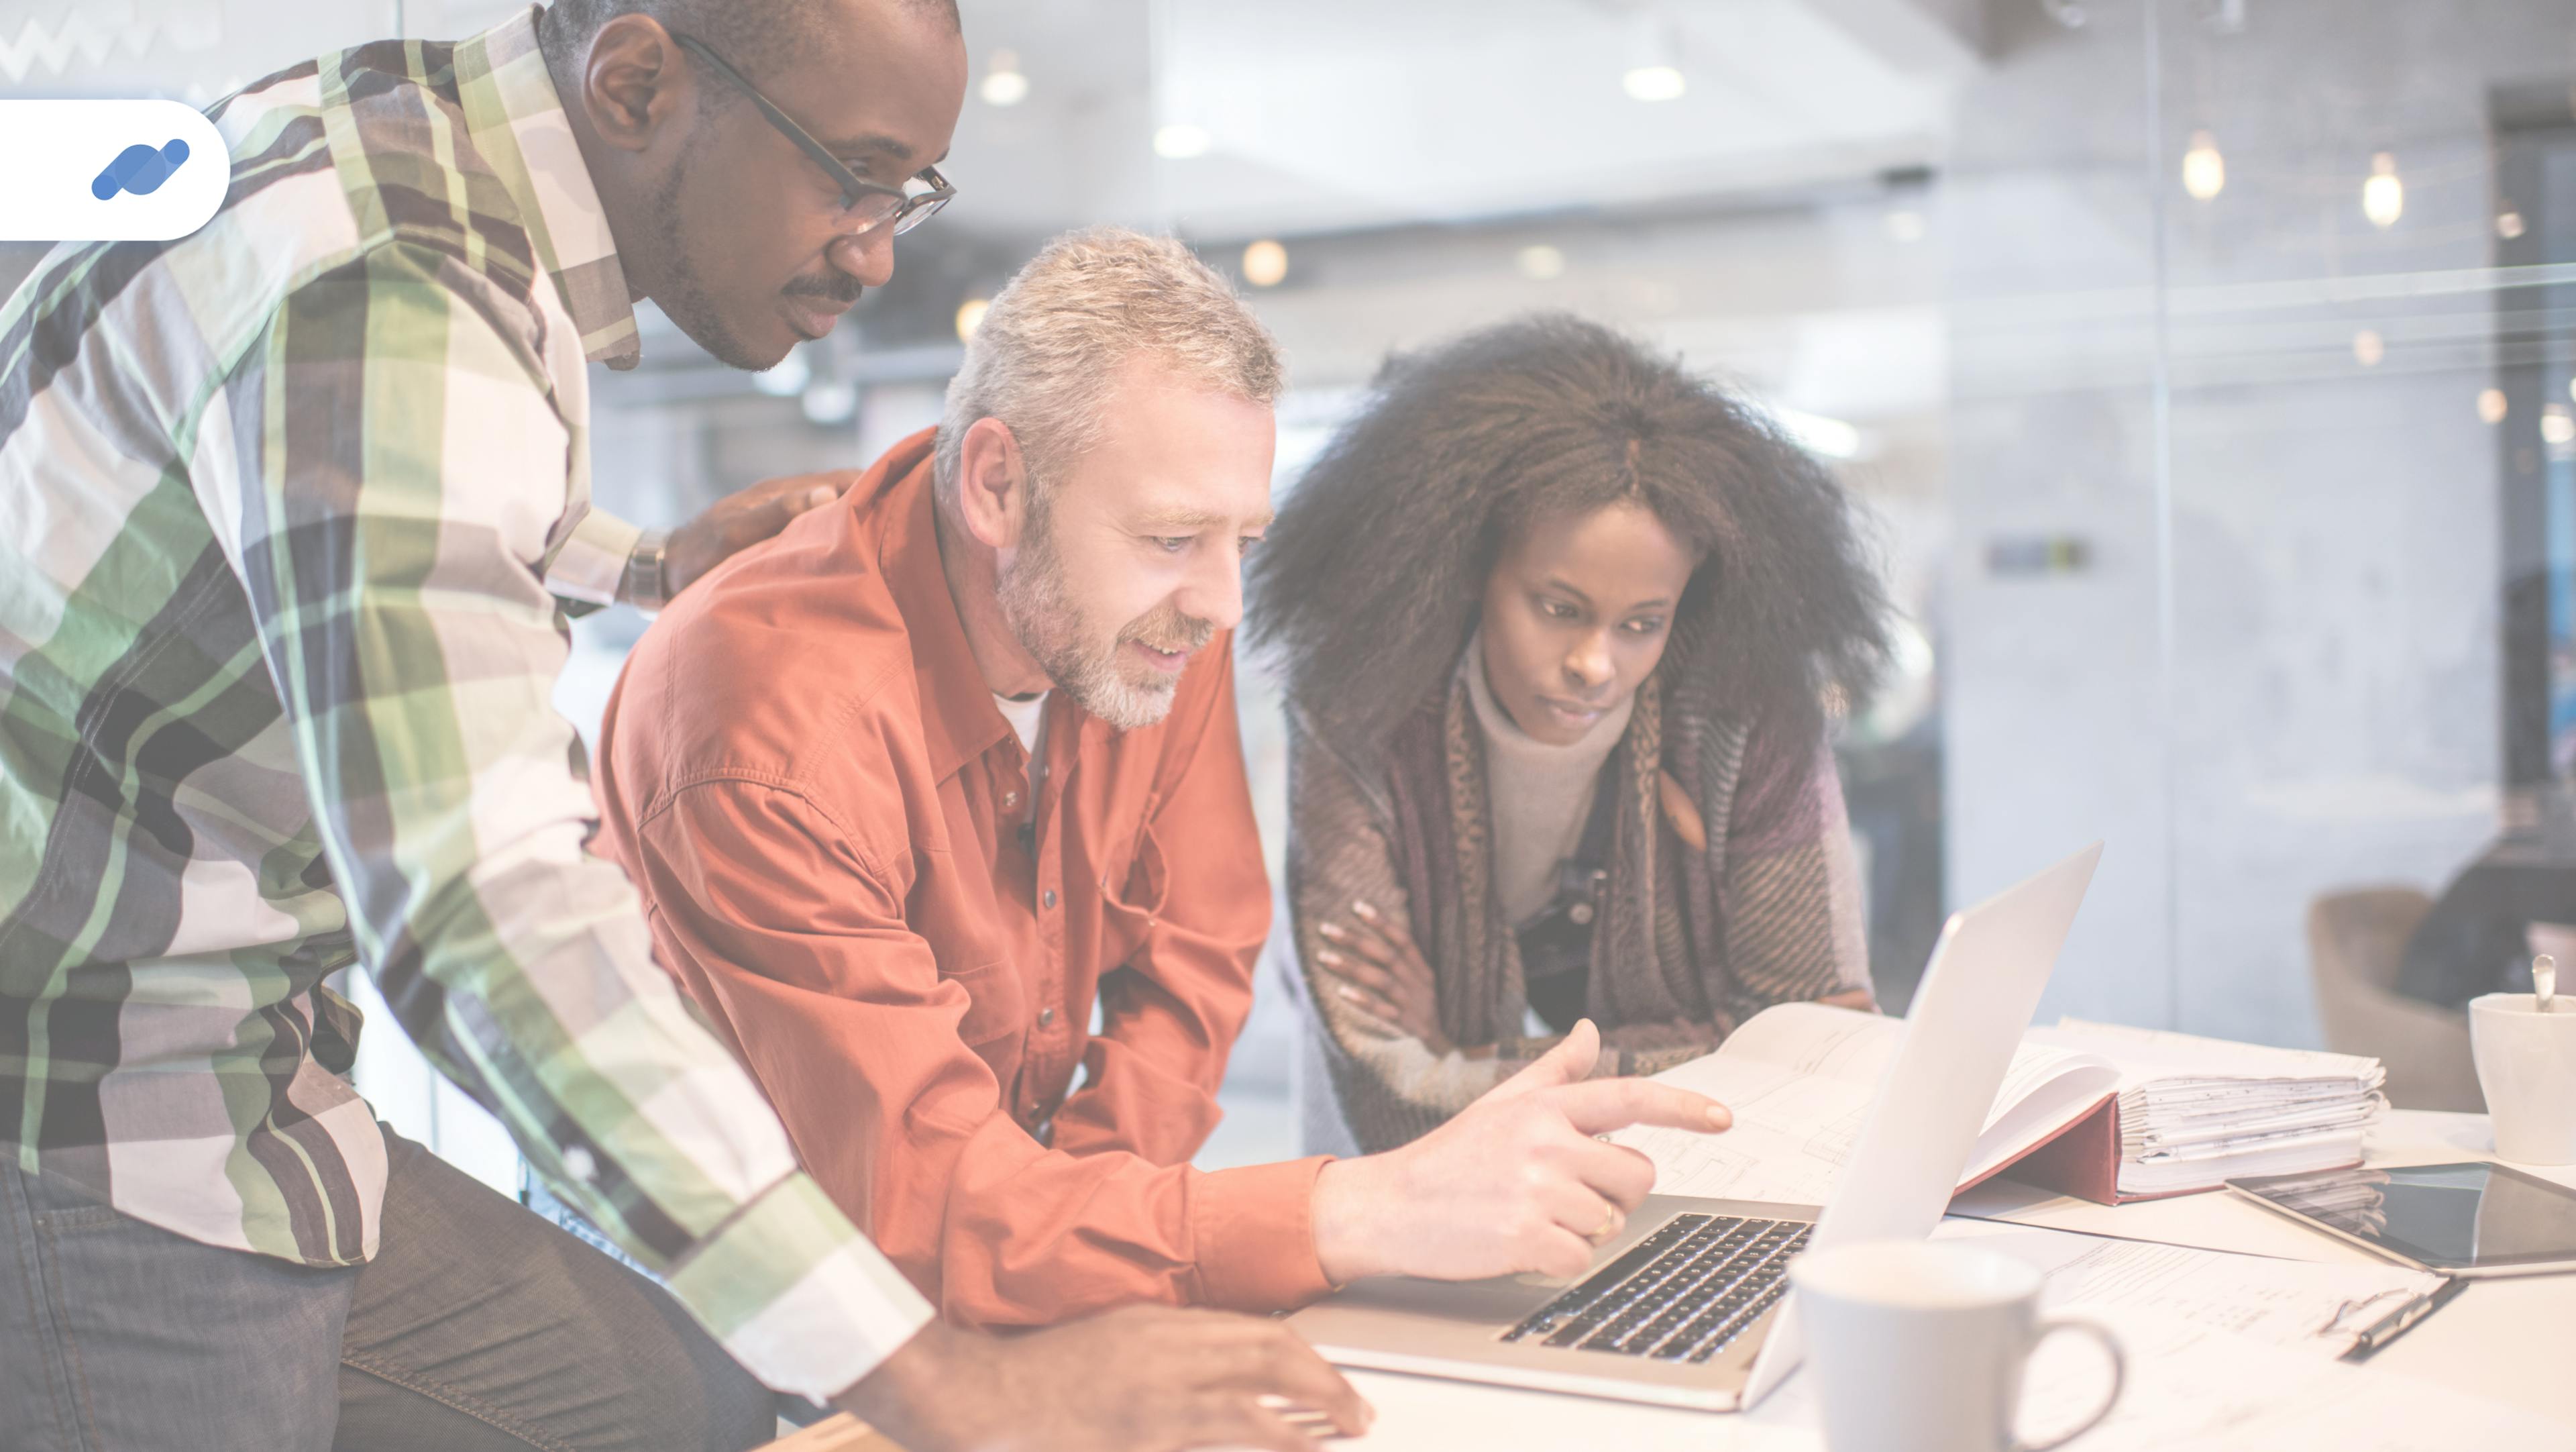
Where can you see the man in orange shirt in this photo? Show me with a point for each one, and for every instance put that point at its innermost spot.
(912, 790)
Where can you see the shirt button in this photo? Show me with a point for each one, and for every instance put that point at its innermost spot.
(1046, 1016)
(1010, 799)
(1047, 898)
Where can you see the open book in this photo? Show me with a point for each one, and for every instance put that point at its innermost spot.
(1799, 1078)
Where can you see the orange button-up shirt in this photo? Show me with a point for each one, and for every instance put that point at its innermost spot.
(807, 776)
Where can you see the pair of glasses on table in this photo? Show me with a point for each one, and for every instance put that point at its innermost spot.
(865, 205)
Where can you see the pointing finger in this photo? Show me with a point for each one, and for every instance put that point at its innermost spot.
(1603, 1105)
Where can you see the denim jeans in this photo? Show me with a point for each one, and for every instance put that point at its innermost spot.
(478, 1327)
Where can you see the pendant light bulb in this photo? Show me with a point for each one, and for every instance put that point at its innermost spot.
(2383, 196)
(2204, 170)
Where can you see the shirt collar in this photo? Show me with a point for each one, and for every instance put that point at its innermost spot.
(518, 122)
(959, 721)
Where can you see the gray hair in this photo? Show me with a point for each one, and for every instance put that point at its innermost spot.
(1052, 342)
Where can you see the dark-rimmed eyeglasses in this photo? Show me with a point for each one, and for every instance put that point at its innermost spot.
(865, 204)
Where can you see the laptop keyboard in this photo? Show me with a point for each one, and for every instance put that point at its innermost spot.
(1681, 1294)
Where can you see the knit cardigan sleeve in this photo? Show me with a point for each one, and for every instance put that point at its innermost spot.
(1391, 1088)
(1791, 892)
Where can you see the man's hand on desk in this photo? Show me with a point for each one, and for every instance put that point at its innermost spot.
(1516, 1183)
(1140, 1379)
(742, 519)
(1147, 1378)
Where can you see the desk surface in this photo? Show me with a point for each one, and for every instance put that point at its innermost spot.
(2511, 1341)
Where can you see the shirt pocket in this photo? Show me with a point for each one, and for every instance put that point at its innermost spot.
(1136, 901)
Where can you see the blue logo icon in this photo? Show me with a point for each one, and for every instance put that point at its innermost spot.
(139, 169)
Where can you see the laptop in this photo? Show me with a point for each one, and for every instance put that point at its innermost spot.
(1687, 1307)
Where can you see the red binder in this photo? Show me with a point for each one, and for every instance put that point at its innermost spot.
(2082, 1160)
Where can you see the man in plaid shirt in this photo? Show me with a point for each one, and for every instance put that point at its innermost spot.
(291, 506)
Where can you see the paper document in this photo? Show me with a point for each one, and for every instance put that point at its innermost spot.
(2193, 1112)
(1800, 1077)
(2151, 1057)
(2213, 1391)
(2193, 1386)
(2320, 1308)
(2196, 1111)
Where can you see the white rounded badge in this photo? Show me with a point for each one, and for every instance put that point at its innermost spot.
(108, 171)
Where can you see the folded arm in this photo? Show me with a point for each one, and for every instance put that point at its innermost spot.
(1393, 1086)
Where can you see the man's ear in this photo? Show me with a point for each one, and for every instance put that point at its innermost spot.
(992, 484)
(633, 85)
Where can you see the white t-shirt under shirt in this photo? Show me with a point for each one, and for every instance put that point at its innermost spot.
(1540, 795)
(1028, 722)
(1027, 717)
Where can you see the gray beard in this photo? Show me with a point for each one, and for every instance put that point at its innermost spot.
(1038, 606)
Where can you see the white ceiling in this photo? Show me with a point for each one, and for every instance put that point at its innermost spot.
(1331, 115)
(1323, 115)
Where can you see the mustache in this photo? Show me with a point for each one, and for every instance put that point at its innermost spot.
(1170, 631)
(837, 287)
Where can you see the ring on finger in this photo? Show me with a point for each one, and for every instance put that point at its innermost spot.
(1609, 1225)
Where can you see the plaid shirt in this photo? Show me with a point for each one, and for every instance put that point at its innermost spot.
(286, 508)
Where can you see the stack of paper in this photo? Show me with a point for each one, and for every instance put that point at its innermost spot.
(2195, 1112)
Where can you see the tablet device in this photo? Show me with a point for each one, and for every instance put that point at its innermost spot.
(2472, 1219)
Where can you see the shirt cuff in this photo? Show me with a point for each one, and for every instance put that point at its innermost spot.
(591, 566)
(1255, 1231)
(796, 1294)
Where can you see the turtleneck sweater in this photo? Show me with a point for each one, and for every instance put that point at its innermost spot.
(1539, 794)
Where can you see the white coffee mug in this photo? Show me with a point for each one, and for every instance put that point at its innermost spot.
(1919, 1346)
(2527, 1066)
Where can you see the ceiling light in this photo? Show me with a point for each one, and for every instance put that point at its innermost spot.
(2383, 197)
(2509, 224)
(2558, 426)
(1180, 141)
(2368, 347)
(1004, 85)
(1264, 263)
(1654, 83)
(2204, 171)
(2491, 406)
(1541, 262)
(1906, 225)
(970, 316)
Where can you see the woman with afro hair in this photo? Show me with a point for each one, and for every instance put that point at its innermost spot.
(1563, 628)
